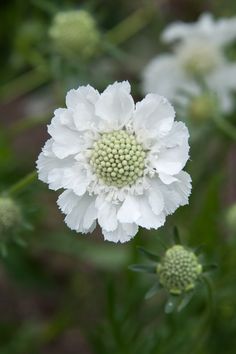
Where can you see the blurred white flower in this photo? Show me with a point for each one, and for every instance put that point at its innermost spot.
(198, 57)
(119, 163)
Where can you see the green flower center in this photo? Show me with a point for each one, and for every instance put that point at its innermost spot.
(118, 159)
(179, 270)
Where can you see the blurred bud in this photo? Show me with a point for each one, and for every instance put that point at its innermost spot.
(202, 107)
(178, 270)
(74, 33)
(231, 217)
(10, 215)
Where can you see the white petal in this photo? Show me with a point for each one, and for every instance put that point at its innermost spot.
(84, 94)
(123, 233)
(67, 201)
(164, 75)
(50, 168)
(148, 219)
(174, 152)
(82, 217)
(107, 214)
(154, 115)
(129, 211)
(177, 193)
(115, 105)
(155, 197)
(76, 178)
(66, 141)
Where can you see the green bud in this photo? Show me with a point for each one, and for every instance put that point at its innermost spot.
(74, 33)
(231, 217)
(178, 270)
(10, 215)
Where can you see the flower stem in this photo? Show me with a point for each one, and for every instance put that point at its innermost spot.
(130, 25)
(23, 84)
(225, 126)
(22, 184)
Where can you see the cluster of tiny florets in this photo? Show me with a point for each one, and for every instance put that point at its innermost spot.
(118, 159)
(10, 215)
(75, 33)
(179, 270)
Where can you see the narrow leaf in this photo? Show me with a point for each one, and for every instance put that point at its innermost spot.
(152, 291)
(151, 256)
(171, 304)
(143, 268)
(209, 267)
(185, 300)
(176, 236)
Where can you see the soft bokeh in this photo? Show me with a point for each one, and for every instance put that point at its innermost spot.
(63, 292)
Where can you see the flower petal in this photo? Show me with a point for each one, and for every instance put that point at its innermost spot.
(66, 141)
(154, 115)
(107, 214)
(173, 151)
(80, 211)
(177, 193)
(129, 211)
(50, 168)
(123, 233)
(115, 105)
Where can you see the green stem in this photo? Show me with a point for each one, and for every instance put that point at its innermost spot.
(22, 184)
(225, 126)
(23, 84)
(130, 26)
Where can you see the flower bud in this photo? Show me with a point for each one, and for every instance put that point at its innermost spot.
(231, 217)
(178, 270)
(10, 215)
(74, 33)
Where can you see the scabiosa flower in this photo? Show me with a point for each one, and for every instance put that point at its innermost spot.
(119, 163)
(178, 270)
(74, 33)
(198, 57)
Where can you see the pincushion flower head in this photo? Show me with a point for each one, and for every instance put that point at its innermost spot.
(75, 34)
(120, 164)
(198, 56)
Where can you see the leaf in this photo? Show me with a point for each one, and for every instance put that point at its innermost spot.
(143, 268)
(152, 291)
(151, 256)
(209, 268)
(3, 250)
(198, 249)
(171, 304)
(185, 300)
(176, 236)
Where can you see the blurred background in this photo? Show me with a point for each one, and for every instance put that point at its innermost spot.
(61, 292)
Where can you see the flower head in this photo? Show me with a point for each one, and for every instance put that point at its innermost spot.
(74, 33)
(178, 270)
(10, 215)
(198, 57)
(119, 163)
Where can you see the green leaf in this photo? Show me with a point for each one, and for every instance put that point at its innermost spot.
(185, 301)
(176, 236)
(152, 291)
(171, 304)
(151, 256)
(143, 268)
(209, 268)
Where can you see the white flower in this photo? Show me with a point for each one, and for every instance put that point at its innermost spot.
(119, 163)
(199, 54)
